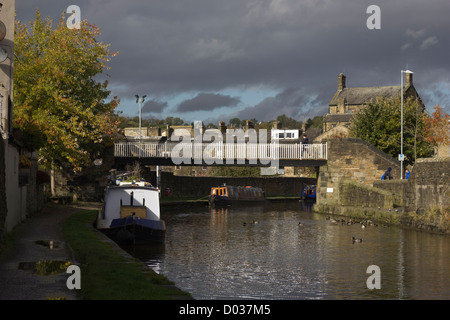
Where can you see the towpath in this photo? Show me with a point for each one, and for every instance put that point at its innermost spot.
(32, 239)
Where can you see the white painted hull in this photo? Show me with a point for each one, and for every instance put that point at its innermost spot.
(131, 213)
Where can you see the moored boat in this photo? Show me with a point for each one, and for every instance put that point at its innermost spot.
(309, 192)
(131, 214)
(228, 195)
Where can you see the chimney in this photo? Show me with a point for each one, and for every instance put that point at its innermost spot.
(341, 82)
(222, 127)
(409, 80)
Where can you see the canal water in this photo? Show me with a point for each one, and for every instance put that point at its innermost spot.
(261, 252)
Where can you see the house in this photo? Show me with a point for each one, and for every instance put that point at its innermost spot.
(20, 194)
(282, 134)
(348, 101)
(10, 206)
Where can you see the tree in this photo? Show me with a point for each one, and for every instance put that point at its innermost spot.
(58, 106)
(316, 122)
(380, 124)
(172, 121)
(236, 123)
(288, 122)
(437, 128)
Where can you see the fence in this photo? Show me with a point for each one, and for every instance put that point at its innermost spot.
(220, 150)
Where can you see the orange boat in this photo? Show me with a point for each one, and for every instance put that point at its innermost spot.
(228, 195)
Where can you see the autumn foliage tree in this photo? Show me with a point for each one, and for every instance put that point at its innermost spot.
(437, 130)
(59, 107)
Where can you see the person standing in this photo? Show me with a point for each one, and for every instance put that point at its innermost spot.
(305, 139)
(387, 174)
(407, 173)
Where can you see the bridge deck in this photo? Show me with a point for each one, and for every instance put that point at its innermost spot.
(182, 153)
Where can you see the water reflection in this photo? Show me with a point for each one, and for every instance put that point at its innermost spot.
(261, 252)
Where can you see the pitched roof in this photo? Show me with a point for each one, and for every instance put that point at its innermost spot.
(338, 117)
(363, 95)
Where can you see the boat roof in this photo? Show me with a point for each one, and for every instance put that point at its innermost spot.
(226, 186)
(133, 186)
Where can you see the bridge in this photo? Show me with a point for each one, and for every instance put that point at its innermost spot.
(169, 153)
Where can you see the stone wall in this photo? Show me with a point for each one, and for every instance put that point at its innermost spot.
(400, 190)
(3, 205)
(357, 194)
(350, 185)
(427, 187)
(424, 197)
(355, 160)
(431, 177)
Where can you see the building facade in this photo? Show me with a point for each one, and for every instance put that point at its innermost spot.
(348, 101)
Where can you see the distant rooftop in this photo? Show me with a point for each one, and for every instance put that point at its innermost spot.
(362, 95)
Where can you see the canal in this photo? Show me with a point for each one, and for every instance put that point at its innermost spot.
(262, 252)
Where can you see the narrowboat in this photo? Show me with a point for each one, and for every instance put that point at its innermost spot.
(131, 214)
(228, 195)
(309, 192)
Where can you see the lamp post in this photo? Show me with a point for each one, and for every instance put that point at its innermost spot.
(401, 157)
(140, 101)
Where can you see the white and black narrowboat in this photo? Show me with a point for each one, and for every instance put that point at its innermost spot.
(131, 214)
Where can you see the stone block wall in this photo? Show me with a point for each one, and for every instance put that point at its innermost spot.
(401, 191)
(421, 202)
(360, 161)
(357, 194)
(355, 160)
(427, 187)
(431, 178)
(3, 205)
(134, 132)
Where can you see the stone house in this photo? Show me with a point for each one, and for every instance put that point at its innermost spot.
(348, 101)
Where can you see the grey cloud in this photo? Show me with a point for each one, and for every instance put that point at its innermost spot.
(415, 34)
(154, 106)
(429, 42)
(180, 46)
(296, 103)
(207, 102)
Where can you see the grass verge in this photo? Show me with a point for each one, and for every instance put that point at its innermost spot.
(107, 275)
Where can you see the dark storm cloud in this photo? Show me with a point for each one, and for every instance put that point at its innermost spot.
(293, 102)
(207, 101)
(154, 106)
(179, 46)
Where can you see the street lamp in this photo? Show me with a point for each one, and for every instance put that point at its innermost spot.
(402, 156)
(140, 101)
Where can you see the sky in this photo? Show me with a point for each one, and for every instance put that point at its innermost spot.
(213, 60)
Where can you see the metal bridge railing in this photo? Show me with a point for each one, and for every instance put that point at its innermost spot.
(220, 150)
